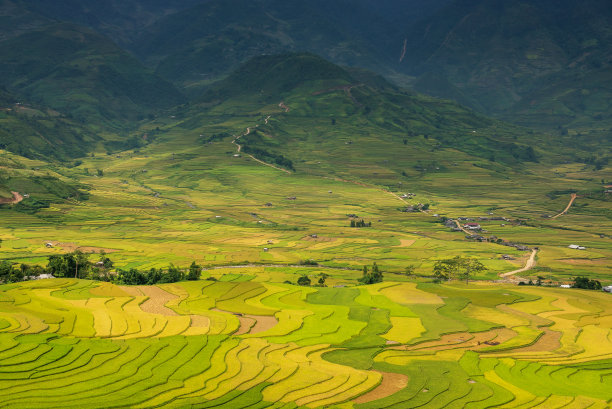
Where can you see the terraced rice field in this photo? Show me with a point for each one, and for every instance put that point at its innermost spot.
(247, 344)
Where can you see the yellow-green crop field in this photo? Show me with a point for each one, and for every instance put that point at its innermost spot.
(251, 344)
(245, 335)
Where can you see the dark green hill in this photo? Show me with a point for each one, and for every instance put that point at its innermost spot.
(277, 76)
(542, 63)
(207, 41)
(83, 75)
(120, 20)
(35, 131)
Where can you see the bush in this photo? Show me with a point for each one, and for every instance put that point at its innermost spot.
(585, 283)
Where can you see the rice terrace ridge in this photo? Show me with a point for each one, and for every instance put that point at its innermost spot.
(343, 204)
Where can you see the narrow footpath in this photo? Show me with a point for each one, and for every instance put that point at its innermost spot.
(572, 198)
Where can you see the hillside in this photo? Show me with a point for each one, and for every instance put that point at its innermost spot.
(205, 42)
(82, 75)
(541, 63)
(326, 98)
(36, 131)
(120, 20)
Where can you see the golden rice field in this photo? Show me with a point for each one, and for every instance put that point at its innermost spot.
(249, 344)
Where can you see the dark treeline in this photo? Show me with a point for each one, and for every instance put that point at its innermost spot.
(79, 265)
(360, 223)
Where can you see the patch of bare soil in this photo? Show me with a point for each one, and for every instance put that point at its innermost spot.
(264, 323)
(391, 383)
(550, 341)
(406, 243)
(252, 324)
(463, 340)
(246, 323)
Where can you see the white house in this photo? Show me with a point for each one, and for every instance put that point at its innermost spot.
(472, 226)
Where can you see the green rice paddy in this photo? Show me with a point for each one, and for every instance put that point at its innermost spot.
(71, 343)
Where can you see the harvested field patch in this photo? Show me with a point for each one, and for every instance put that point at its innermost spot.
(391, 383)
(585, 261)
(158, 298)
(71, 247)
(263, 323)
(406, 243)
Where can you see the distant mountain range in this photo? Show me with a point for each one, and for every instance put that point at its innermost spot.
(540, 63)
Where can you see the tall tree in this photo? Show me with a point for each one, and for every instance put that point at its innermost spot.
(194, 272)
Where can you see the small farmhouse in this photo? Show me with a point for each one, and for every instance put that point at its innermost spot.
(472, 226)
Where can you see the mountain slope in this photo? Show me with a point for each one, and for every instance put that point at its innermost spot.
(329, 114)
(121, 20)
(205, 42)
(82, 74)
(531, 59)
(35, 131)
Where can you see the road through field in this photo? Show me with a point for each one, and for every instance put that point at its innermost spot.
(531, 262)
(572, 198)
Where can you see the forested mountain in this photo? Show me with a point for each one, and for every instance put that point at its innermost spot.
(543, 63)
(121, 20)
(204, 42)
(82, 74)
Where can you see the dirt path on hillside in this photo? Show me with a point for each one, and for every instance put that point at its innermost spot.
(390, 384)
(14, 200)
(572, 198)
(531, 262)
(239, 148)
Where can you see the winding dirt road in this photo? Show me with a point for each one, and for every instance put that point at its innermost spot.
(531, 262)
(572, 198)
(248, 131)
(14, 200)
